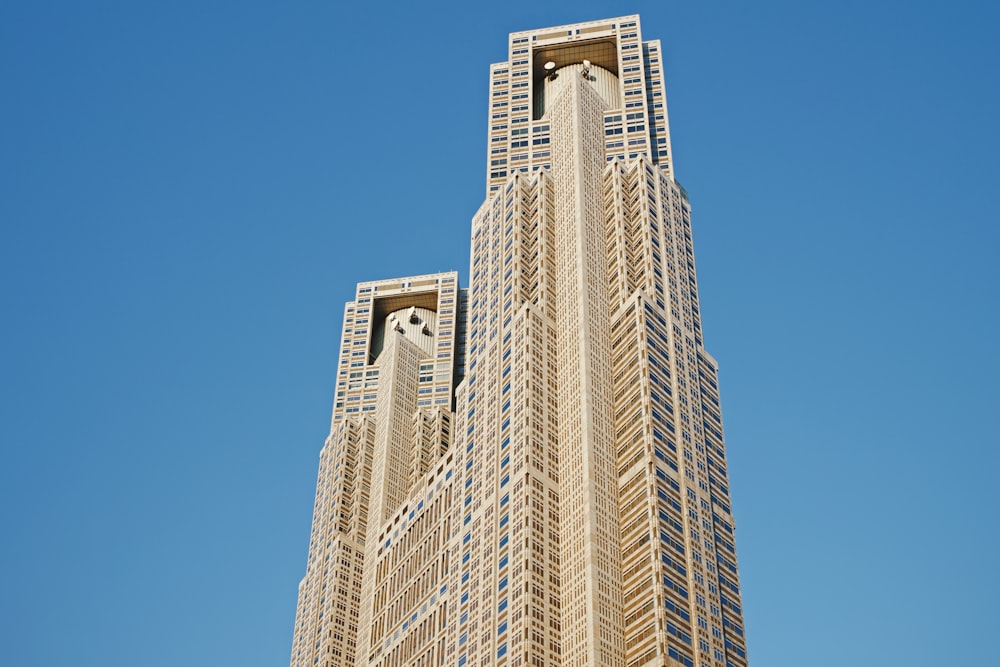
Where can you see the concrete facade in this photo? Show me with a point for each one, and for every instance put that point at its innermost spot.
(533, 471)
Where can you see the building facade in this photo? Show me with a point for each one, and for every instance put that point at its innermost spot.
(533, 471)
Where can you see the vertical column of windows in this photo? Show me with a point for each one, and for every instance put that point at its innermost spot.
(659, 132)
(678, 560)
(721, 571)
(520, 94)
(614, 141)
(630, 64)
(510, 90)
(615, 248)
(327, 613)
(635, 127)
(446, 348)
(701, 472)
(474, 515)
(541, 148)
(635, 136)
(499, 125)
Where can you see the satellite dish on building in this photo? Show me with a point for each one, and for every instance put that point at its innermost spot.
(549, 66)
(586, 68)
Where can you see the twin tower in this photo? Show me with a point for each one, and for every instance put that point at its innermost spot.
(531, 472)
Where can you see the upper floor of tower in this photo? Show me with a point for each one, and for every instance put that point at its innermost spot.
(610, 54)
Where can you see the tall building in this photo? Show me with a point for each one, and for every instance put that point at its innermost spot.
(532, 472)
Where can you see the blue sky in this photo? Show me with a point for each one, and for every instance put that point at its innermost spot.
(180, 183)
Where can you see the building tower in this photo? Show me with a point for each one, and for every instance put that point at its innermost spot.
(537, 476)
(400, 357)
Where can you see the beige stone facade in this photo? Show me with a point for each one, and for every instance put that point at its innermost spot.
(533, 471)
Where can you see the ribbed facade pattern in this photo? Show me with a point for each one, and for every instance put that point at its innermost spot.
(533, 472)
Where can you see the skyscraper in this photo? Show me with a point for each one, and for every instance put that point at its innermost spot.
(533, 471)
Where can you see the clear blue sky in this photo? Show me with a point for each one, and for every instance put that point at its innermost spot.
(180, 183)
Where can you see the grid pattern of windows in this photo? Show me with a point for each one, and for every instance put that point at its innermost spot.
(519, 142)
(533, 471)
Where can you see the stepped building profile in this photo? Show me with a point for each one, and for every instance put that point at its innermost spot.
(531, 472)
